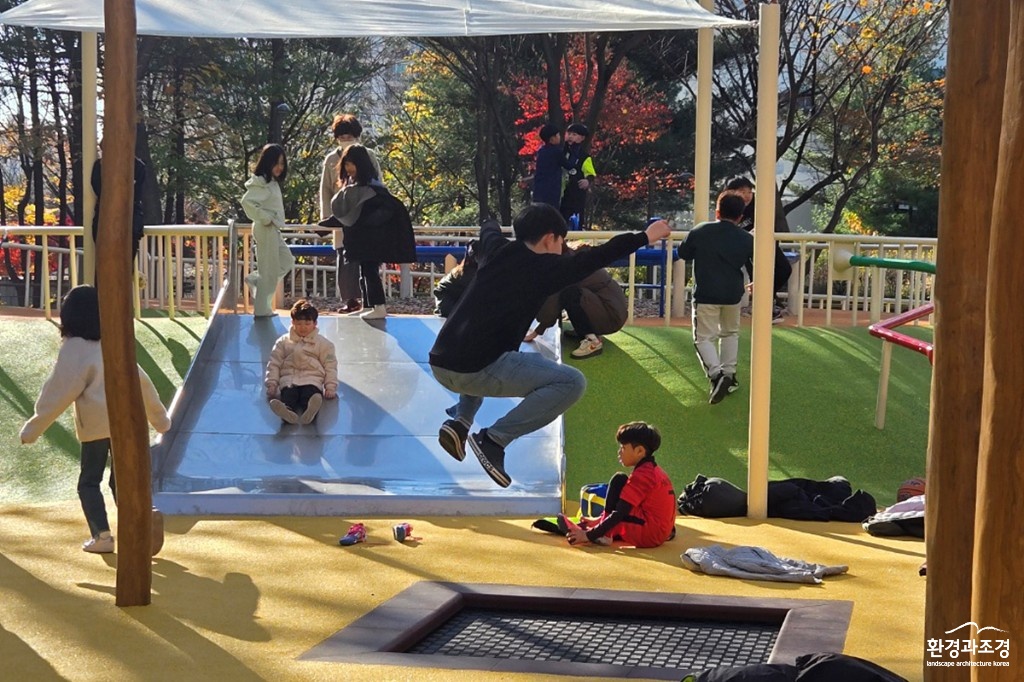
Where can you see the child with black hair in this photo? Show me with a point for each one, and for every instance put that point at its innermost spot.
(547, 172)
(451, 287)
(264, 205)
(303, 368)
(640, 509)
(77, 377)
(476, 353)
(581, 175)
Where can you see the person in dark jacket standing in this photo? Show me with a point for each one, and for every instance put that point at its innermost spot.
(476, 353)
(719, 251)
(547, 173)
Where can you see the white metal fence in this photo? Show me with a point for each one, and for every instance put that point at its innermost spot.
(186, 266)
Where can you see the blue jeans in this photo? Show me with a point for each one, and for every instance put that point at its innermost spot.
(547, 388)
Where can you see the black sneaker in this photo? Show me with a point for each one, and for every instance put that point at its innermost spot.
(733, 385)
(452, 437)
(491, 456)
(720, 389)
(778, 316)
(713, 382)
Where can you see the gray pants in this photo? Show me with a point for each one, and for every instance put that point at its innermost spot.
(347, 277)
(547, 388)
(716, 330)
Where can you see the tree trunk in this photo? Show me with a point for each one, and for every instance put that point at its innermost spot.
(975, 80)
(998, 536)
(129, 434)
(38, 188)
(73, 47)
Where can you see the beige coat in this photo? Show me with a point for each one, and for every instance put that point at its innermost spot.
(329, 185)
(77, 378)
(302, 361)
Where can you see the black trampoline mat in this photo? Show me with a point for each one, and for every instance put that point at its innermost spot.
(583, 632)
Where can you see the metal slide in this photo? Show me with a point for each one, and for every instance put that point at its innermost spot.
(373, 451)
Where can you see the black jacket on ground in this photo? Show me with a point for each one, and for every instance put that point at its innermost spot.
(510, 286)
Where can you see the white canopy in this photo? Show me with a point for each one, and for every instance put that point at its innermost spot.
(320, 19)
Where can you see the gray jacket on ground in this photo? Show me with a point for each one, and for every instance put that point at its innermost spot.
(755, 563)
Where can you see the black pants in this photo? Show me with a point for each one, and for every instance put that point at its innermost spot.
(783, 270)
(569, 298)
(297, 397)
(347, 276)
(370, 283)
(94, 461)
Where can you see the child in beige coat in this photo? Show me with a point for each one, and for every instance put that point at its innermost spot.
(303, 369)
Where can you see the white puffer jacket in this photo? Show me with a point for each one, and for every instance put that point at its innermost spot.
(263, 203)
(302, 361)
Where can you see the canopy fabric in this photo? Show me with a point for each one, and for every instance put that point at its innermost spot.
(347, 18)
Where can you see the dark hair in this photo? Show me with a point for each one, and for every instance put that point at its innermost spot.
(80, 314)
(579, 129)
(346, 124)
(360, 156)
(639, 433)
(547, 131)
(537, 220)
(469, 265)
(268, 159)
(739, 182)
(730, 206)
(304, 310)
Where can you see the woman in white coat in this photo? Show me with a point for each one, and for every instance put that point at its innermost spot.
(264, 205)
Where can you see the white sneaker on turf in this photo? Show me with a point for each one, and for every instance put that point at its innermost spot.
(101, 544)
(590, 346)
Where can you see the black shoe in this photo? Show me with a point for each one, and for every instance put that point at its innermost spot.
(733, 385)
(452, 437)
(714, 382)
(491, 456)
(720, 389)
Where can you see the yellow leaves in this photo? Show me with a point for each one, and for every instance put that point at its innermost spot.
(867, 33)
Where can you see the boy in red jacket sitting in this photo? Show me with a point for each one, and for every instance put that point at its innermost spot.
(640, 509)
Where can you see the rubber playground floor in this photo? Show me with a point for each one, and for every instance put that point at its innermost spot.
(244, 598)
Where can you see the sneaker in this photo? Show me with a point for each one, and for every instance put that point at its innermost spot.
(720, 389)
(491, 456)
(713, 381)
(100, 544)
(351, 306)
(565, 524)
(312, 407)
(452, 437)
(731, 384)
(778, 316)
(356, 533)
(589, 347)
(282, 411)
(377, 312)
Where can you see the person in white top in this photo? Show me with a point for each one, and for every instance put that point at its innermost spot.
(77, 377)
(347, 131)
(264, 205)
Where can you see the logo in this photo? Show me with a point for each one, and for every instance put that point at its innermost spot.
(990, 647)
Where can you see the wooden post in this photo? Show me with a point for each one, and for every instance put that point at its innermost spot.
(998, 535)
(129, 433)
(974, 94)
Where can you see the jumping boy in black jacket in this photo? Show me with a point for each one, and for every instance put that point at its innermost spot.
(476, 353)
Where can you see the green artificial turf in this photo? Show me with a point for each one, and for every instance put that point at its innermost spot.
(47, 470)
(822, 418)
(823, 401)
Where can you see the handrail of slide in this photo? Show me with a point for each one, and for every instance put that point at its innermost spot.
(886, 330)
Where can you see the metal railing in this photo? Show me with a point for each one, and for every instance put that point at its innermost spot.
(184, 267)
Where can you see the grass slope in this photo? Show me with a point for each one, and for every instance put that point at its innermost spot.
(47, 470)
(823, 400)
(822, 423)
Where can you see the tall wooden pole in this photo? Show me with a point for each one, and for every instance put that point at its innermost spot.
(999, 534)
(129, 433)
(975, 79)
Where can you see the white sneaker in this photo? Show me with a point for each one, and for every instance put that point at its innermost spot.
(590, 346)
(101, 544)
(312, 407)
(282, 411)
(377, 312)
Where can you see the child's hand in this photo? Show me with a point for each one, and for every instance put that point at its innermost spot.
(330, 394)
(577, 536)
(272, 391)
(530, 336)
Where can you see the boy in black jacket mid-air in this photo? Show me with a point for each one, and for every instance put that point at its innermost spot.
(476, 353)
